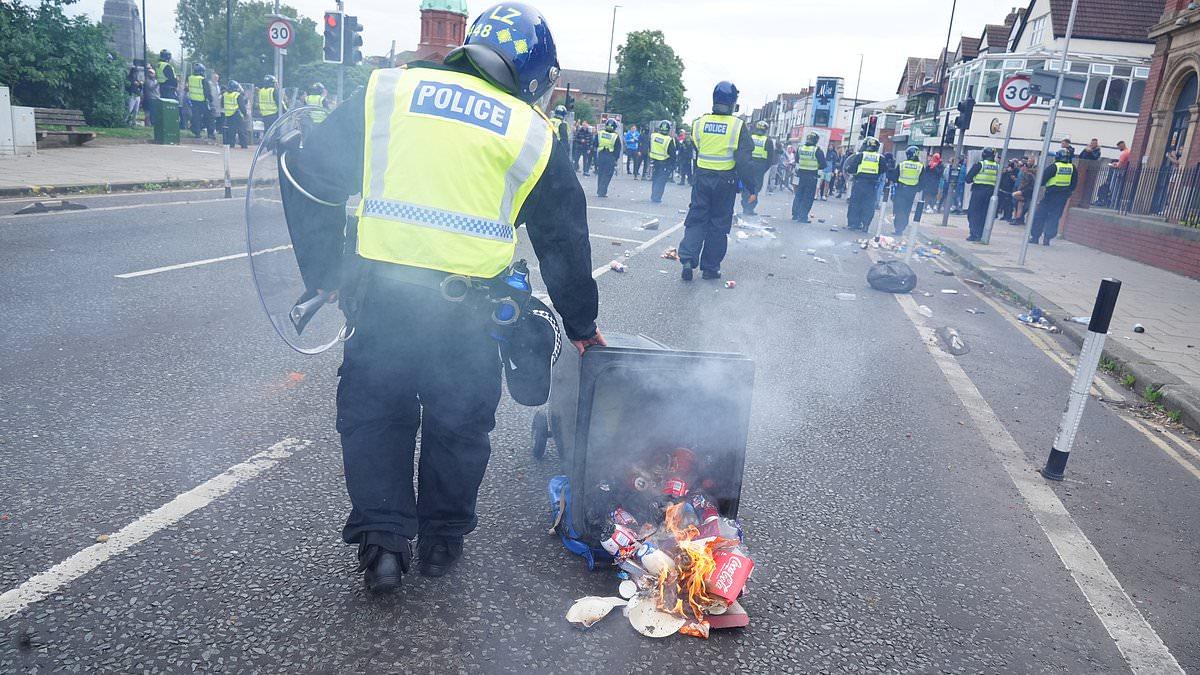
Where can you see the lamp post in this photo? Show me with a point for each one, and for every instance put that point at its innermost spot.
(854, 110)
(608, 68)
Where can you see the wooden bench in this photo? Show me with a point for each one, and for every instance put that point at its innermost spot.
(63, 118)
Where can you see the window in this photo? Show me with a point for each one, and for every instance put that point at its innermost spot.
(929, 106)
(1101, 69)
(991, 86)
(1013, 64)
(1037, 30)
(1093, 94)
(1141, 72)
(1079, 67)
(1114, 100)
(1136, 91)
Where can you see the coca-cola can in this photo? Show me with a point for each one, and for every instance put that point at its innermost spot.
(727, 580)
(675, 487)
(622, 537)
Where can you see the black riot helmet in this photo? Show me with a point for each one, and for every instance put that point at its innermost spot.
(812, 138)
(989, 154)
(664, 127)
(725, 96)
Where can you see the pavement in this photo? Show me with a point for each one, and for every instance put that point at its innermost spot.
(890, 497)
(1063, 279)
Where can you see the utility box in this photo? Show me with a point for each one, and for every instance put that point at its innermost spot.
(24, 131)
(166, 121)
(7, 142)
(618, 414)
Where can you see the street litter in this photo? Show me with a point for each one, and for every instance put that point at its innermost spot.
(972, 310)
(924, 311)
(973, 282)
(811, 251)
(670, 254)
(731, 284)
(927, 252)
(616, 266)
(663, 272)
(1139, 328)
(951, 341)
(628, 254)
(650, 225)
(846, 296)
(1036, 318)
(820, 259)
(927, 294)
(945, 273)
(949, 291)
(891, 276)
(1085, 320)
(783, 256)
(591, 609)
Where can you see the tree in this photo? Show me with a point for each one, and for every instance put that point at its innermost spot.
(50, 60)
(584, 110)
(201, 25)
(649, 81)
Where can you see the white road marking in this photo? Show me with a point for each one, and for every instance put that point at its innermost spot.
(41, 586)
(84, 212)
(197, 263)
(625, 239)
(1163, 445)
(600, 271)
(609, 208)
(1187, 447)
(110, 195)
(1137, 641)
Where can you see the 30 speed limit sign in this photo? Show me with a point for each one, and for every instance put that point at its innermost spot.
(1016, 94)
(279, 33)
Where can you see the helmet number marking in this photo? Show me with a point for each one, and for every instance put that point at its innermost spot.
(507, 17)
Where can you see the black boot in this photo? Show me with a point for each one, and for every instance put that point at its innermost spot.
(709, 274)
(382, 569)
(436, 556)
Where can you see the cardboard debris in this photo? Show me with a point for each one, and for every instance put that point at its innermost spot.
(670, 254)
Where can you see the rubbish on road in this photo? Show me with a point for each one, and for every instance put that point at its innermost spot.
(811, 251)
(924, 311)
(846, 296)
(627, 589)
(949, 291)
(973, 282)
(1036, 318)
(820, 220)
(663, 272)
(927, 294)
(646, 617)
(731, 284)
(927, 252)
(734, 616)
(650, 224)
(617, 266)
(945, 273)
(670, 254)
(1139, 328)
(833, 229)
(591, 609)
(783, 256)
(950, 341)
(102, 538)
(820, 259)
(892, 276)
(628, 254)
(972, 310)
(1085, 320)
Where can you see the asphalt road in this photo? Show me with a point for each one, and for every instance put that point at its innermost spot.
(888, 533)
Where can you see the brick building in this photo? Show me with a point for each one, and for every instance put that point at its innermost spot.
(1170, 115)
(443, 27)
(586, 85)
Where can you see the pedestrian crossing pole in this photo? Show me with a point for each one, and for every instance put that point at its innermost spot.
(1085, 371)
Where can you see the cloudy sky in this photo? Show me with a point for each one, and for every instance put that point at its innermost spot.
(764, 47)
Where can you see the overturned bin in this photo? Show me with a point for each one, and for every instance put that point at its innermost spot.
(637, 424)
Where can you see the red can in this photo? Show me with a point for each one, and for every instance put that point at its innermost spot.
(622, 517)
(675, 487)
(622, 537)
(728, 579)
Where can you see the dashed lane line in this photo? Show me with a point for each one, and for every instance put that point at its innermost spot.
(600, 271)
(41, 586)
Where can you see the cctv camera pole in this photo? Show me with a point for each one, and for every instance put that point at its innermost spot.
(994, 202)
(1045, 156)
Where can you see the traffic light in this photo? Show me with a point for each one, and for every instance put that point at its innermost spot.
(352, 41)
(333, 50)
(965, 108)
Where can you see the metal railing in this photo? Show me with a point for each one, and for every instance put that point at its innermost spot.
(1169, 193)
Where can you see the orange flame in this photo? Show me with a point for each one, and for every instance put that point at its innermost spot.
(682, 591)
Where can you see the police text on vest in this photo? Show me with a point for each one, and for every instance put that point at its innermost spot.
(457, 103)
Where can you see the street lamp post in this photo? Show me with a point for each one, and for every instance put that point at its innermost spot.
(608, 68)
(854, 110)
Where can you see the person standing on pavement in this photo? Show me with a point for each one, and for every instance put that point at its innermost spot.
(867, 168)
(1008, 184)
(908, 181)
(269, 105)
(810, 161)
(632, 138)
(199, 100)
(589, 148)
(150, 95)
(1059, 181)
(723, 154)
(168, 82)
(608, 153)
(133, 94)
(685, 155)
(763, 158)
(216, 114)
(416, 361)
(982, 177)
(1024, 191)
(931, 177)
(233, 109)
(662, 153)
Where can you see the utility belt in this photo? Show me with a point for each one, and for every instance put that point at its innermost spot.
(502, 303)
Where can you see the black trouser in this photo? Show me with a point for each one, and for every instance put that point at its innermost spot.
(415, 362)
(685, 171)
(806, 190)
(709, 219)
(268, 121)
(629, 160)
(1049, 212)
(902, 205)
(754, 185)
(860, 208)
(588, 158)
(200, 114)
(234, 130)
(977, 208)
(606, 165)
(663, 169)
(637, 164)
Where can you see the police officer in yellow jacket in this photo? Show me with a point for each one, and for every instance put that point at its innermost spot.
(233, 106)
(608, 151)
(810, 160)
(762, 158)
(982, 177)
(268, 103)
(723, 155)
(199, 100)
(1059, 180)
(662, 153)
(562, 131)
(867, 167)
(908, 177)
(450, 160)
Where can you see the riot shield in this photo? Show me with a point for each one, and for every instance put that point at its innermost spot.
(306, 318)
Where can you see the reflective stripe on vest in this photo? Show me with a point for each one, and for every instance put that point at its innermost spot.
(760, 147)
(806, 158)
(1062, 175)
(910, 172)
(429, 133)
(266, 102)
(988, 172)
(608, 141)
(869, 164)
(658, 146)
(230, 101)
(716, 139)
(195, 88)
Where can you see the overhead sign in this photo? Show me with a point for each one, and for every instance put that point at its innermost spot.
(279, 33)
(1016, 93)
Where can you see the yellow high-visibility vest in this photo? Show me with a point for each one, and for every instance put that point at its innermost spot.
(658, 146)
(429, 133)
(1062, 175)
(162, 71)
(318, 101)
(266, 102)
(760, 146)
(230, 101)
(195, 88)
(989, 171)
(716, 139)
(806, 158)
(869, 164)
(910, 172)
(608, 141)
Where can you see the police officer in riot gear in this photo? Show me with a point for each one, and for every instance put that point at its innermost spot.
(233, 104)
(168, 82)
(562, 132)
(267, 100)
(810, 161)
(762, 159)
(868, 167)
(982, 177)
(608, 151)
(199, 100)
(1058, 180)
(724, 149)
(662, 153)
(908, 178)
(449, 159)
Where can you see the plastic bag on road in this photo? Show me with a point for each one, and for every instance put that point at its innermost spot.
(892, 276)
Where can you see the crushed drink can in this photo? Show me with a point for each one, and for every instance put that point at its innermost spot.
(622, 537)
(727, 580)
(675, 487)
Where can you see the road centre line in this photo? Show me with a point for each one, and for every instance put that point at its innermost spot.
(624, 239)
(609, 208)
(1141, 647)
(197, 263)
(41, 586)
(600, 271)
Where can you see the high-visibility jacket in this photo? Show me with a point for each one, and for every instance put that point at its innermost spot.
(989, 171)
(266, 102)
(910, 172)
(608, 141)
(760, 146)
(448, 162)
(318, 101)
(195, 87)
(806, 158)
(716, 141)
(658, 146)
(869, 164)
(1062, 175)
(161, 71)
(229, 100)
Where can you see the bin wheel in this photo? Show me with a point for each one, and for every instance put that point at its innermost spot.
(541, 434)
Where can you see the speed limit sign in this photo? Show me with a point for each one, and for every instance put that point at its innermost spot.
(279, 33)
(1016, 94)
